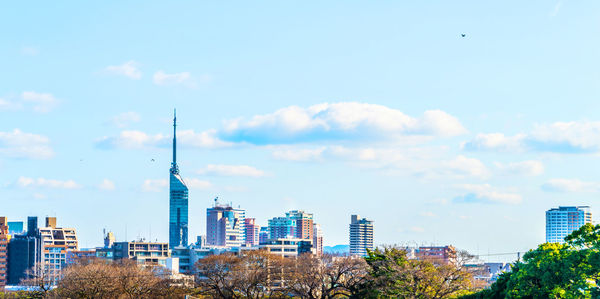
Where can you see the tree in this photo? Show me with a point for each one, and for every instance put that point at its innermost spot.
(42, 278)
(393, 275)
(252, 274)
(326, 276)
(553, 270)
(89, 279)
(98, 278)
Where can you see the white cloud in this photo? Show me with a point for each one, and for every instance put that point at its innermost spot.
(558, 137)
(570, 185)
(184, 78)
(39, 196)
(232, 170)
(29, 51)
(336, 121)
(301, 155)
(128, 69)
(428, 214)
(194, 183)
(417, 229)
(46, 183)
(42, 102)
(582, 136)
(556, 9)
(107, 185)
(125, 119)
(8, 105)
(485, 193)
(157, 185)
(464, 166)
(19, 144)
(529, 168)
(496, 141)
(132, 139)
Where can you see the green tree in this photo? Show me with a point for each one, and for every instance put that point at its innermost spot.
(554, 270)
(393, 275)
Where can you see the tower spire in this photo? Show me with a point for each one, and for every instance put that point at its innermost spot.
(174, 167)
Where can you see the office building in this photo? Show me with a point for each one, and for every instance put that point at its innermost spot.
(436, 254)
(296, 224)
(54, 244)
(23, 252)
(263, 235)
(32, 226)
(317, 239)
(281, 227)
(109, 239)
(252, 232)
(225, 225)
(144, 253)
(15, 227)
(288, 247)
(562, 221)
(3, 252)
(361, 235)
(178, 201)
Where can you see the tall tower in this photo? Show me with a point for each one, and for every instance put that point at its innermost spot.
(361, 235)
(178, 200)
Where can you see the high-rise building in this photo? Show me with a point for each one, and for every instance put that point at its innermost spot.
(304, 223)
(15, 227)
(252, 232)
(23, 252)
(54, 244)
(361, 235)
(317, 239)
(3, 252)
(225, 225)
(296, 224)
(109, 239)
(32, 225)
(263, 235)
(281, 227)
(562, 221)
(178, 200)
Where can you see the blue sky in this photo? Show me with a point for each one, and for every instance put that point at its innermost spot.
(377, 108)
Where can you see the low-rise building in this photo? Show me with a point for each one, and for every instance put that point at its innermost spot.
(437, 254)
(288, 247)
(144, 253)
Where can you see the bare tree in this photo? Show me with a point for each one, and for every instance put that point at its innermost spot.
(42, 278)
(327, 276)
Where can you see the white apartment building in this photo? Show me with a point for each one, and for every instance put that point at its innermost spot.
(361, 235)
(562, 221)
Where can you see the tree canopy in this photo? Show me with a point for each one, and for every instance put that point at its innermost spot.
(554, 270)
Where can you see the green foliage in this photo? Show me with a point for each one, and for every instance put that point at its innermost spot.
(554, 270)
(393, 275)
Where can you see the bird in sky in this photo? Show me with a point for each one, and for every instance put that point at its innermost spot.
(152, 160)
(463, 35)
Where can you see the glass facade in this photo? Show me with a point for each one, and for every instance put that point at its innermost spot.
(178, 202)
(562, 221)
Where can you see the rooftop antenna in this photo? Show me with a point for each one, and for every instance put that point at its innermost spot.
(174, 167)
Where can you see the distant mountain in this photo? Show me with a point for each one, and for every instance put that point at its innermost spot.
(337, 249)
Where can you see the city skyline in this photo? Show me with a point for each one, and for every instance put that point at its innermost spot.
(384, 111)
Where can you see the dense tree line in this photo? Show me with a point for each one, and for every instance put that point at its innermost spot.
(553, 270)
(385, 273)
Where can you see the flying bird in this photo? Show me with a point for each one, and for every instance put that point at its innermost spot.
(463, 35)
(152, 160)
